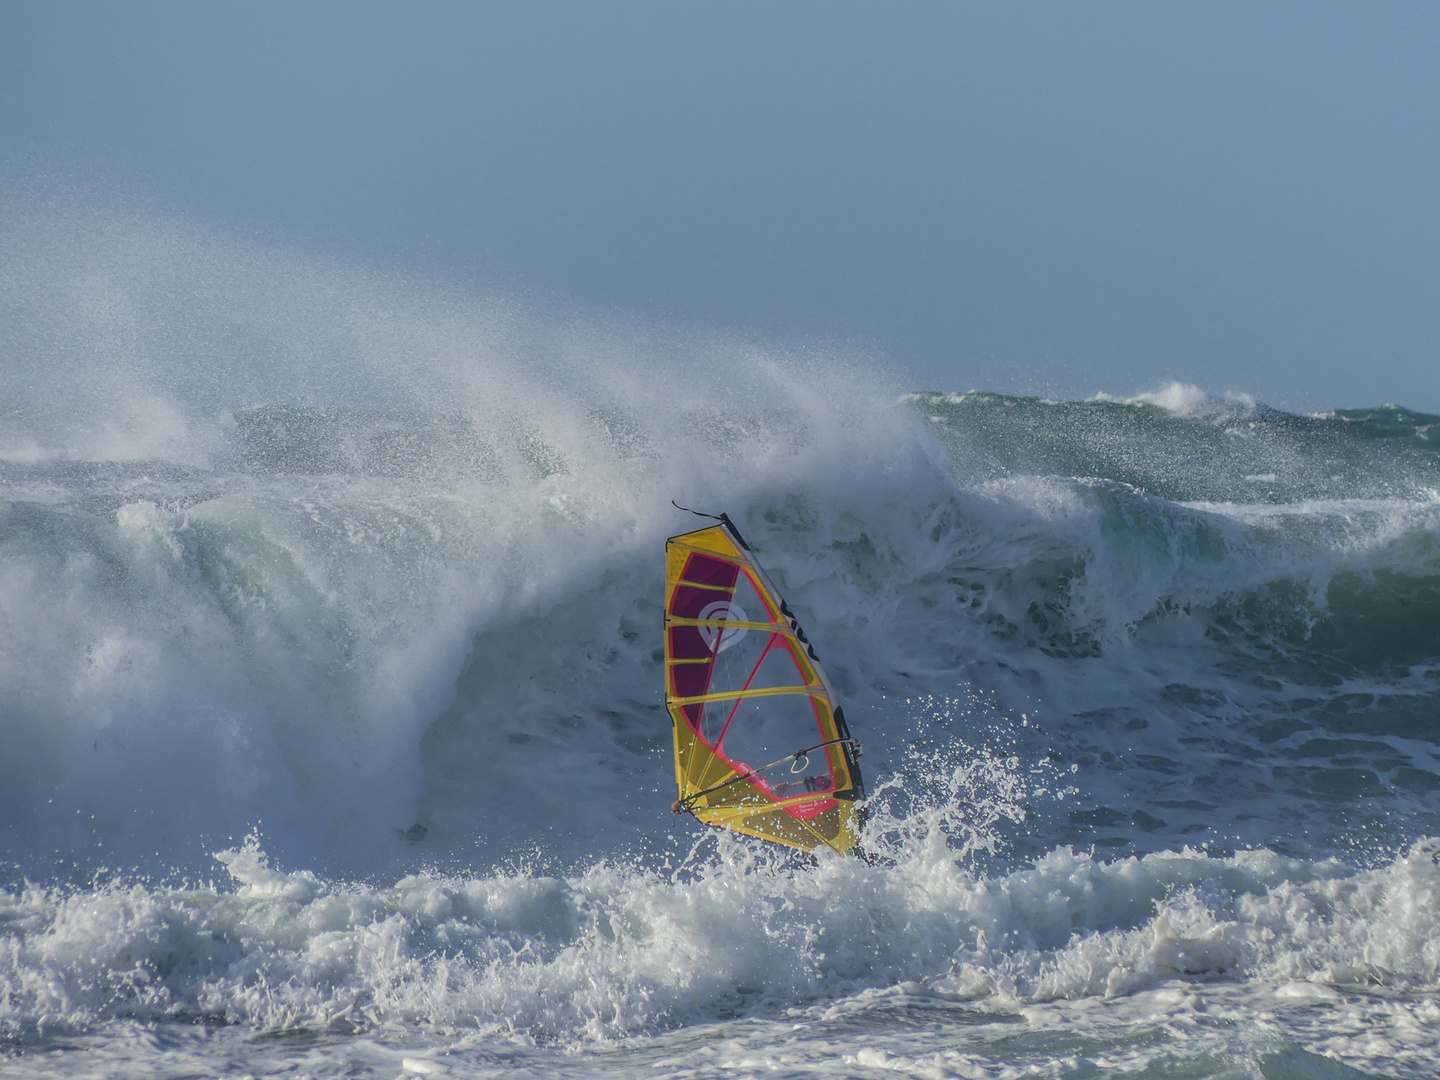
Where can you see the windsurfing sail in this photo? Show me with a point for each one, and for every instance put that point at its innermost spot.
(760, 745)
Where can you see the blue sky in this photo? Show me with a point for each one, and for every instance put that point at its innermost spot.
(1027, 197)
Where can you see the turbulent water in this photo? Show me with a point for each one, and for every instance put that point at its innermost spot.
(332, 739)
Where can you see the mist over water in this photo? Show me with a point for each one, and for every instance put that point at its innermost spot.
(267, 508)
(296, 557)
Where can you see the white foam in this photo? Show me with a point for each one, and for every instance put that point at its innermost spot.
(1186, 399)
(616, 952)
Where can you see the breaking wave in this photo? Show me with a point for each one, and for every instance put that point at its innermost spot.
(357, 582)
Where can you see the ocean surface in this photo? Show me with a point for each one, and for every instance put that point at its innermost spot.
(332, 741)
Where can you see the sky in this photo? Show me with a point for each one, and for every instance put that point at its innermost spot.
(1050, 198)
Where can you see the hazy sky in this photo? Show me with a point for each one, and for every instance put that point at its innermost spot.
(1056, 198)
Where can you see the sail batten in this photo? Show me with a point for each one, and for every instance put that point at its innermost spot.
(753, 692)
(761, 746)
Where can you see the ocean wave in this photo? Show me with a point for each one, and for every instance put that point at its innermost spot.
(614, 952)
(372, 569)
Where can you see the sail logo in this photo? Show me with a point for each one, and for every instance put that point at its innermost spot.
(719, 638)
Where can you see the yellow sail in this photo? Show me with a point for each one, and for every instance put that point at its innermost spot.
(760, 744)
